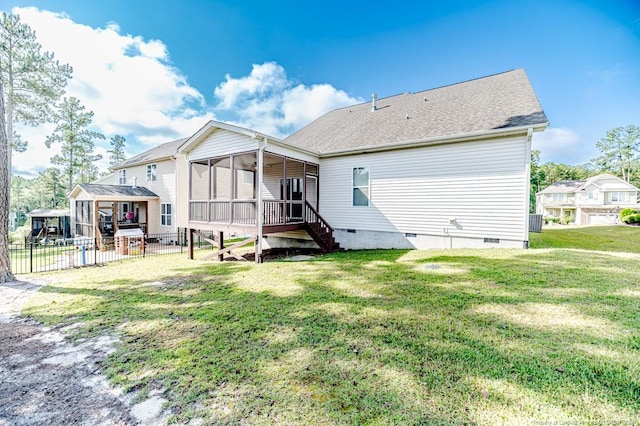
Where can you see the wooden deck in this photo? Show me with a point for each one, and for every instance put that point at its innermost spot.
(241, 217)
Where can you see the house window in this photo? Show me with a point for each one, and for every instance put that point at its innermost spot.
(151, 172)
(122, 177)
(559, 198)
(166, 210)
(618, 196)
(593, 195)
(360, 186)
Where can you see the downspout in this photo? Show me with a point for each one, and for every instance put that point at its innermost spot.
(527, 173)
(259, 165)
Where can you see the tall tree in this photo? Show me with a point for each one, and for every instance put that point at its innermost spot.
(76, 140)
(20, 195)
(116, 153)
(32, 79)
(620, 150)
(535, 180)
(48, 189)
(553, 172)
(5, 185)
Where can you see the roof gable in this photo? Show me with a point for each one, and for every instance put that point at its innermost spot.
(502, 101)
(598, 181)
(211, 126)
(158, 153)
(563, 187)
(609, 182)
(101, 191)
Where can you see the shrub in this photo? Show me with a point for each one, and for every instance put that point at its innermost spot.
(626, 212)
(632, 218)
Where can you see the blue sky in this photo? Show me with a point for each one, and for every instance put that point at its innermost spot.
(274, 66)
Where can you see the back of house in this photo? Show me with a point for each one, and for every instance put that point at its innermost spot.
(443, 168)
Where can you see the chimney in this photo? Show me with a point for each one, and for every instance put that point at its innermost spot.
(135, 181)
(374, 96)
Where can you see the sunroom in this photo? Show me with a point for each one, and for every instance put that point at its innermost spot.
(247, 184)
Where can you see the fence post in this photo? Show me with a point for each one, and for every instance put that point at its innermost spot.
(95, 251)
(31, 257)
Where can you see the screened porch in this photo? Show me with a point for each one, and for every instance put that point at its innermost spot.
(230, 190)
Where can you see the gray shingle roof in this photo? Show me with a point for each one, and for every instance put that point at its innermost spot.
(49, 213)
(499, 101)
(159, 152)
(563, 186)
(116, 190)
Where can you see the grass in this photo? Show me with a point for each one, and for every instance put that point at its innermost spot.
(605, 238)
(372, 337)
(24, 258)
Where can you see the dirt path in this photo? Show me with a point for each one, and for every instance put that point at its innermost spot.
(45, 380)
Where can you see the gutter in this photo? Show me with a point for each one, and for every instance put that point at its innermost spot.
(439, 140)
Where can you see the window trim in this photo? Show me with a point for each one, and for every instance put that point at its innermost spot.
(152, 170)
(164, 215)
(621, 196)
(354, 186)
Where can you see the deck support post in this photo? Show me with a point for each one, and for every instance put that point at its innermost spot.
(220, 245)
(260, 206)
(190, 251)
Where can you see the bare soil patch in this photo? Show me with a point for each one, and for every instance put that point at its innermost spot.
(45, 380)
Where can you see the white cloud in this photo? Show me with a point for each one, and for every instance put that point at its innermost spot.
(128, 82)
(266, 100)
(561, 145)
(134, 90)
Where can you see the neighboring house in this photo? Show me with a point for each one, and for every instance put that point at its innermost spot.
(594, 201)
(140, 193)
(443, 168)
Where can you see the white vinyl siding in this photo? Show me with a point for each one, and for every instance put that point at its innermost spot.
(221, 143)
(420, 190)
(291, 153)
(164, 186)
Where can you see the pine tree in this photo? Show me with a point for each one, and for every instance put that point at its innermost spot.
(116, 152)
(620, 150)
(31, 81)
(73, 134)
(5, 185)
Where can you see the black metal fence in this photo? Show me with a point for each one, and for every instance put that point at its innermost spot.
(50, 255)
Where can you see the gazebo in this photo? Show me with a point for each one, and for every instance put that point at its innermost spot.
(50, 223)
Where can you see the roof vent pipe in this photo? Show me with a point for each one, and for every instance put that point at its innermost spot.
(135, 181)
(374, 96)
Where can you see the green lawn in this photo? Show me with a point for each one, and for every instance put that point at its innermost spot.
(606, 238)
(374, 337)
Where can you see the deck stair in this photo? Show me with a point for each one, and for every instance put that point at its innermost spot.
(319, 229)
